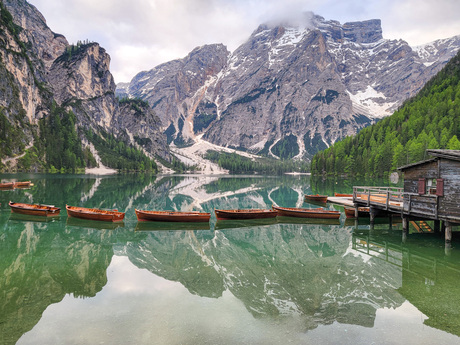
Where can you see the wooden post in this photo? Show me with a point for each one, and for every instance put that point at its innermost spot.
(405, 224)
(372, 214)
(356, 211)
(448, 249)
(448, 235)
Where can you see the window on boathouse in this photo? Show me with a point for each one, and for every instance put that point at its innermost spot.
(431, 186)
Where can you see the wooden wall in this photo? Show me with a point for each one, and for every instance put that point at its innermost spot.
(449, 203)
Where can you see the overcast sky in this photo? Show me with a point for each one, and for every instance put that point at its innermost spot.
(140, 34)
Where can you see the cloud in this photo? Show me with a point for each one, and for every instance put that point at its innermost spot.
(420, 22)
(140, 34)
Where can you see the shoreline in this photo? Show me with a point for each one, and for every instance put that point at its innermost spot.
(100, 171)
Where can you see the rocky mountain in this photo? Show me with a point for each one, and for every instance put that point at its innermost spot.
(177, 88)
(39, 70)
(293, 88)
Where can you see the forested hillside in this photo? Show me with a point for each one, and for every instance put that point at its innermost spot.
(430, 120)
(58, 110)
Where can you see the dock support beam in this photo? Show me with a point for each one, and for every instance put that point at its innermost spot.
(405, 224)
(448, 232)
(372, 212)
(405, 230)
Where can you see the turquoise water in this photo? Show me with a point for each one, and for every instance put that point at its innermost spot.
(267, 282)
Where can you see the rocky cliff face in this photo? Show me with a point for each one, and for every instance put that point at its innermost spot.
(83, 77)
(38, 67)
(293, 88)
(139, 124)
(176, 88)
(21, 76)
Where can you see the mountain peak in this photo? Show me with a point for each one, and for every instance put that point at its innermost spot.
(368, 31)
(297, 85)
(361, 32)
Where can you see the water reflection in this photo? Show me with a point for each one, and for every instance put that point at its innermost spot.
(41, 263)
(429, 279)
(289, 274)
(76, 223)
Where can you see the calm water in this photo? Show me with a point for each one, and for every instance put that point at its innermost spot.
(76, 282)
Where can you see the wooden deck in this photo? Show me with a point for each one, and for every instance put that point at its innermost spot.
(383, 198)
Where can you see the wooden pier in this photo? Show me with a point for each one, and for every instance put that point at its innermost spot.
(431, 192)
(393, 201)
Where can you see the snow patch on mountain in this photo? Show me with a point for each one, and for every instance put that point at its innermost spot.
(367, 101)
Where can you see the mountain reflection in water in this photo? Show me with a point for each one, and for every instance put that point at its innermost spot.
(294, 277)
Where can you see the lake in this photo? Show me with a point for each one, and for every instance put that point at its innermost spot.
(68, 281)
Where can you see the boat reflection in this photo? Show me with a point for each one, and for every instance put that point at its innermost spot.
(159, 226)
(296, 220)
(243, 223)
(93, 224)
(29, 218)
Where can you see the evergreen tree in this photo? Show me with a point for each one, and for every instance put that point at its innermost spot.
(430, 120)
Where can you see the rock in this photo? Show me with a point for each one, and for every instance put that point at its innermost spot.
(38, 67)
(315, 81)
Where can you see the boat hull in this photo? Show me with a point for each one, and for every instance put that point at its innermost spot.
(94, 214)
(172, 216)
(245, 214)
(316, 198)
(34, 209)
(307, 213)
(7, 185)
(362, 211)
(22, 184)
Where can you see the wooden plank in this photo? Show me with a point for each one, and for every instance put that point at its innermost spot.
(340, 201)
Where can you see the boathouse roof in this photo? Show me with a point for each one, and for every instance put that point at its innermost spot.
(446, 154)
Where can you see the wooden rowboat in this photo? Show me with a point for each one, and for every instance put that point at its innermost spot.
(362, 211)
(316, 198)
(94, 214)
(7, 185)
(172, 216)
(34, 209)
(22, 184)
(246, 214)
(307, 212)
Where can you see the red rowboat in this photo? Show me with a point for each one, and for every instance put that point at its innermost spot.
(362, 211)
(94, 214)
(245, 214)
(7, 185)
(172, 216)
(34, 209)
(22, 184)
(307, 212)
(316, 198)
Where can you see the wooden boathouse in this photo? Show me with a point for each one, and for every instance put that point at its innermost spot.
(431, 192)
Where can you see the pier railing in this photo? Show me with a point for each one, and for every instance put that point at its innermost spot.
(389, 197)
